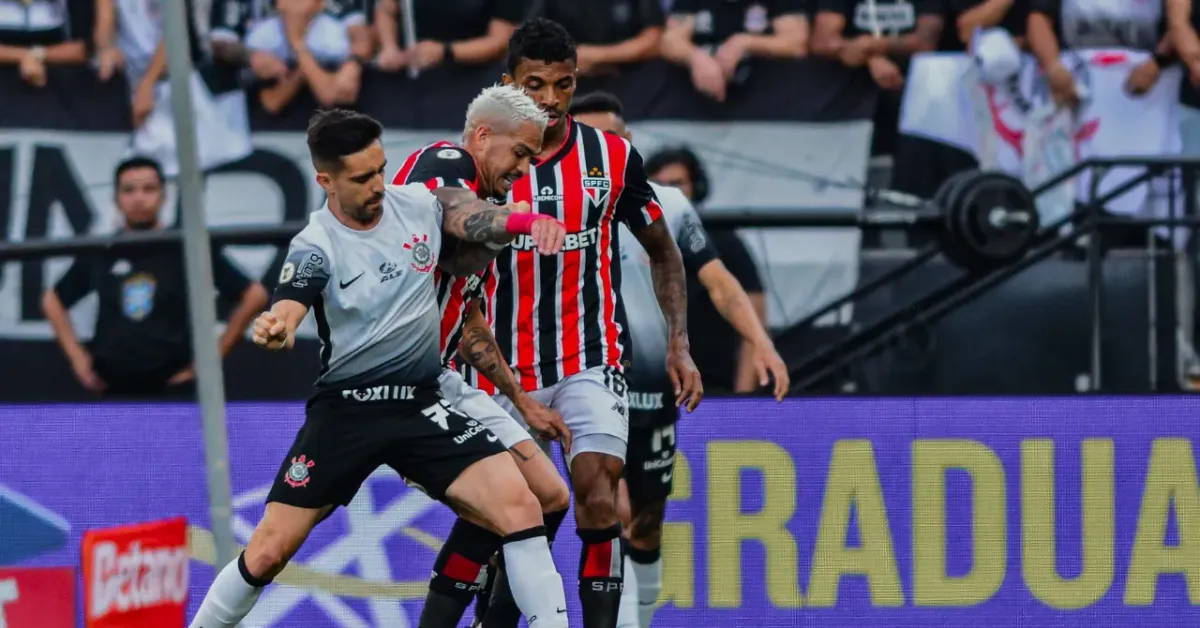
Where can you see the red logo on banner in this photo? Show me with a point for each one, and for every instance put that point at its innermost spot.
(35, 597)
(136, 576)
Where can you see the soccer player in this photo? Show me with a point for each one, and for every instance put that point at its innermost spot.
(650, 460)
(364, 265)
(503, 132)
(560, 322)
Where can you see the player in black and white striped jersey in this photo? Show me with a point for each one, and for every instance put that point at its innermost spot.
(364, 265)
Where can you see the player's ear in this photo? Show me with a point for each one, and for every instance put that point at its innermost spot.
(506, 79)
(325, 181)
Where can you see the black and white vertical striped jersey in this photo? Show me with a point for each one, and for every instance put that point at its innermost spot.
(372, 292)
(648, 328)
(27, 23)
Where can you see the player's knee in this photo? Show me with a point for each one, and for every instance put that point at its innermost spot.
(518, 511)
(555, 498)
(598, 505)
(647, 525)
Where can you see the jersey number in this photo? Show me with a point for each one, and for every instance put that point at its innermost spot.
(438, 413)
(615, 381)
(663, 436)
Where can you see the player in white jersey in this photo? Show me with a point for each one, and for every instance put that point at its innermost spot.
(364, 265)
(650, 459)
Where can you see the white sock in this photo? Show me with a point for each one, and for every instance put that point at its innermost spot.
(628, 616)
(229, 599)
(649, 585)
(536, 586)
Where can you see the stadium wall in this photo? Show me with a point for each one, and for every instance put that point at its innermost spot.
(830, 512)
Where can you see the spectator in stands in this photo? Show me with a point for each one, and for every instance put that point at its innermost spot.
(34, 33)
(141, 344)
(610, 33)
(462, 32)
(302, 43)
(1096, 24)
(968, 15)
(137, 34)
(712, 349)
(712, 38)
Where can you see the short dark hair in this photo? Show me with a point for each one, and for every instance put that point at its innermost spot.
(597, 102)
(542, 40)
(689, 160)
(137, 163)
(335, 133)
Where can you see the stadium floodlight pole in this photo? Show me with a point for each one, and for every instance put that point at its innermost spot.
(210, 385)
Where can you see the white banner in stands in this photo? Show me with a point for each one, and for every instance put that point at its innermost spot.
(59, 185)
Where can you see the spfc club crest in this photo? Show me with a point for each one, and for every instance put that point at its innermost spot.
(597, 187)
(422, 255)
(297, 474)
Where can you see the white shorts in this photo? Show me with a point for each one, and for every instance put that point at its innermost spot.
(593, 405)
(467, 400)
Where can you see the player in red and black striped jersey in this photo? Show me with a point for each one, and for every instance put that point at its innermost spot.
(560, 321)
(496, 151)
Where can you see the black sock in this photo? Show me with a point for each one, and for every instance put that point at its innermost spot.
(554, 521)
(456, 574)
(601, 576)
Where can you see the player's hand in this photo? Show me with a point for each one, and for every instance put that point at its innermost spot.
(548, 234)
(547, 423)
(707, 76)
(1143, 77)
(685, 377)
(886, 73)
(270, 331)
(81, 366)
(767, 366)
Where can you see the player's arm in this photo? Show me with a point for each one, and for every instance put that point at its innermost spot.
(475, 221)
(302, 279)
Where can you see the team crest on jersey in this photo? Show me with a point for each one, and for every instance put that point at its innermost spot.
(137, 296)
(422, 255)
(297, 474)
(597, 186)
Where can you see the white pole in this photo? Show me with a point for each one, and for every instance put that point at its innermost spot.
(198, 267)
(408, 23)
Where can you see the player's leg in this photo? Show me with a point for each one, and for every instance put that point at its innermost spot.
(649, 474)
(593, 405)
(323, 470)
(458, 460)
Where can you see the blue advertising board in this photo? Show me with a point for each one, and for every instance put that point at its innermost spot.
(817, 512)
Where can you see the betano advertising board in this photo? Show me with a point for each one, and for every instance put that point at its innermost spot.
(821, 512)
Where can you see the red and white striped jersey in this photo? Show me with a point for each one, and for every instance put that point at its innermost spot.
(555, 316)
(442, 164)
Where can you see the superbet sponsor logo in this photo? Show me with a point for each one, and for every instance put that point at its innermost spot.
(136, 578)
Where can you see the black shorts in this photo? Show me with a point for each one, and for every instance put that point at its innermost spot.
(348, 434)
(650, 456)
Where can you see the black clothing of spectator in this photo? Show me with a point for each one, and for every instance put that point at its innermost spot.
(1013, 22)
(718, 20)
(458, 20)
(1140, 25)
(601, 22)
(717, 354)
(142, 336)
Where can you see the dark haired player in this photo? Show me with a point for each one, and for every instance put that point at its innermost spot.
(650, 462)
(376, 401)
(560, 321)
(503, 131)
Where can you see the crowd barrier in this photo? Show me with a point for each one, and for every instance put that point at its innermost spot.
(825, 512)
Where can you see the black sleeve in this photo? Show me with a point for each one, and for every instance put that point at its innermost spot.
(230, 281)
(637, 206)
(76, 283)
(304, 275)
(737, 259)
(650, 14)
(929, 7)
(843, 7)
(82, 21)
(685, 7)
(1050, 7)
(779, 8)
(441, 166)
(511, 11)
(345, 10)
(694, 243)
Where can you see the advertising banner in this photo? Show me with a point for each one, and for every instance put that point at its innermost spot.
(917, 513)
(136, 576)
(36, 597)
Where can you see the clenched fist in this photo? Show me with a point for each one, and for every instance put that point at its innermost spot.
(270, 332)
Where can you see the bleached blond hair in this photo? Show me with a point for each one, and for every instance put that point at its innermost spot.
(503, 108)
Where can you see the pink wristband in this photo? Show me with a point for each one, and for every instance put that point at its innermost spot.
(520, 224)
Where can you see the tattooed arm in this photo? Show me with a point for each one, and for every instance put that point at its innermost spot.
(479, 348)
(475, 221)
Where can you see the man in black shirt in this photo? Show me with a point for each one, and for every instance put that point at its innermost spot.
(712, 350)
(712, 37)
(610, 33)
(964, 16)
(464, 32)
(141, 344)
(37, 33)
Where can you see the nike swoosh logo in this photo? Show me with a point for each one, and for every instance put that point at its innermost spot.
(561, 610)
(491, 439)
(346, 284)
